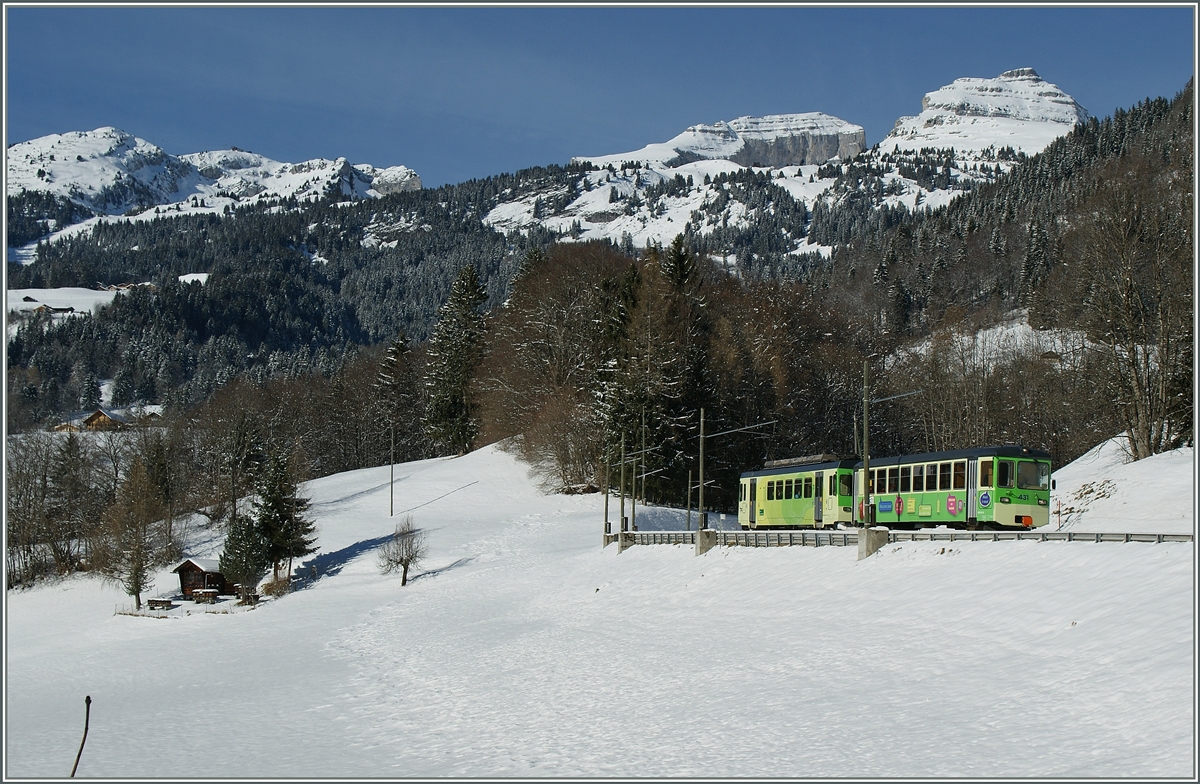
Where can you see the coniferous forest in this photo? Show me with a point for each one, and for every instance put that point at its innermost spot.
(330, 336)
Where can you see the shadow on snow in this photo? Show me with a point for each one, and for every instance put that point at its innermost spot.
(329, 564)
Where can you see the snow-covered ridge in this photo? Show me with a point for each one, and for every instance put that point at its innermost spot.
(774, 140)
(1016, 109)
(113, 172)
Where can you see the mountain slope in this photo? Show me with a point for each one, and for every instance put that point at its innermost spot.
(524, 649)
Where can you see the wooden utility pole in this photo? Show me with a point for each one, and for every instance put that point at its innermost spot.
(689, 501)
(868, 518)
(703, 523)
(607, 468)
(643, 459)
(621, 527)
(392, 477)
(633, 499)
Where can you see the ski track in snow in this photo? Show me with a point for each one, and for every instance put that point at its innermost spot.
(522, 648)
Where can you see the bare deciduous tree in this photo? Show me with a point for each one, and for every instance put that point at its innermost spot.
(132, 534)
(405, 550)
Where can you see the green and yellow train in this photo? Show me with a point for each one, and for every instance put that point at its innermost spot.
(985, 487)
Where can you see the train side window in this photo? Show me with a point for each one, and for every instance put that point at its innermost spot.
(931, 475)
(905, 479)
(742, 497)
(918, 479)
(880, 481)
(770, 491)
(846, 484)
(1004, 474)
(985, 473)
(808, 487)
(960, 475)
(893, 480)
(787, 489)
(944, 476)
(819, 488)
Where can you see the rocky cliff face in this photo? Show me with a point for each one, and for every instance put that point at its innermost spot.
(796, 139)
(774, 140)
(394, 179)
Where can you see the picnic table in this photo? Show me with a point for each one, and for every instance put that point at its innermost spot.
(204, 595)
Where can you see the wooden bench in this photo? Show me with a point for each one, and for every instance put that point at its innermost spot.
(160, 604)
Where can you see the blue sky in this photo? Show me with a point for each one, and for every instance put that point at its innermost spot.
(456, 93)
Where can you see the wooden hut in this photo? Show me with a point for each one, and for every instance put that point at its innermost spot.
(201, 574)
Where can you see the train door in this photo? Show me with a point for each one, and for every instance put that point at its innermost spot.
(753, 501)
(818, 499)
(856, 498)
(972, 478)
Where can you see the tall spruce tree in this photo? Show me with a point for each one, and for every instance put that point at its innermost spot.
(400, 397)
(279, 513)
(245, 558)
(454, 352)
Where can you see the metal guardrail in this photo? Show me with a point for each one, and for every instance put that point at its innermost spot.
(1032, 536)
(846, 538)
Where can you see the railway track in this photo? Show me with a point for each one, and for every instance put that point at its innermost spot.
(848, 538)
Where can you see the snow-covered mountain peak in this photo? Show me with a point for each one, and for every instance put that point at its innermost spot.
(112, 172)
(224, 161)
(772, 126)
(1020, 94)
(1016, 109)
(773, 140)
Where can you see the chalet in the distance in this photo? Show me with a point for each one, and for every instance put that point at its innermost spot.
(201, 573)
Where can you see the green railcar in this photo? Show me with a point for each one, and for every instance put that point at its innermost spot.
(983, 487)
(812, 493)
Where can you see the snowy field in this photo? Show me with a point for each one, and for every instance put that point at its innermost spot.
(524, 648)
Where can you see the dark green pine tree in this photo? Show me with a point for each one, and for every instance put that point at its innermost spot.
(400, 395)
(279, 513)
(678, 266)
(454, 351)
(89, 395)
(245, 559)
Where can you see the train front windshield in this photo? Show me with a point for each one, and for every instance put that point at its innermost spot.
(1033, 476)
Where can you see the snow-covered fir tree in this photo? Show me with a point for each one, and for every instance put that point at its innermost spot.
(453, 353)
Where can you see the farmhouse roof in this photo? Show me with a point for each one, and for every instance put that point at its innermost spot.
(211, 565)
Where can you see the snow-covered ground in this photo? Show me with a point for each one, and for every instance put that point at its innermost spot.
(79, 298)
(1105, 491)
(22, 302)
(524, 648)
